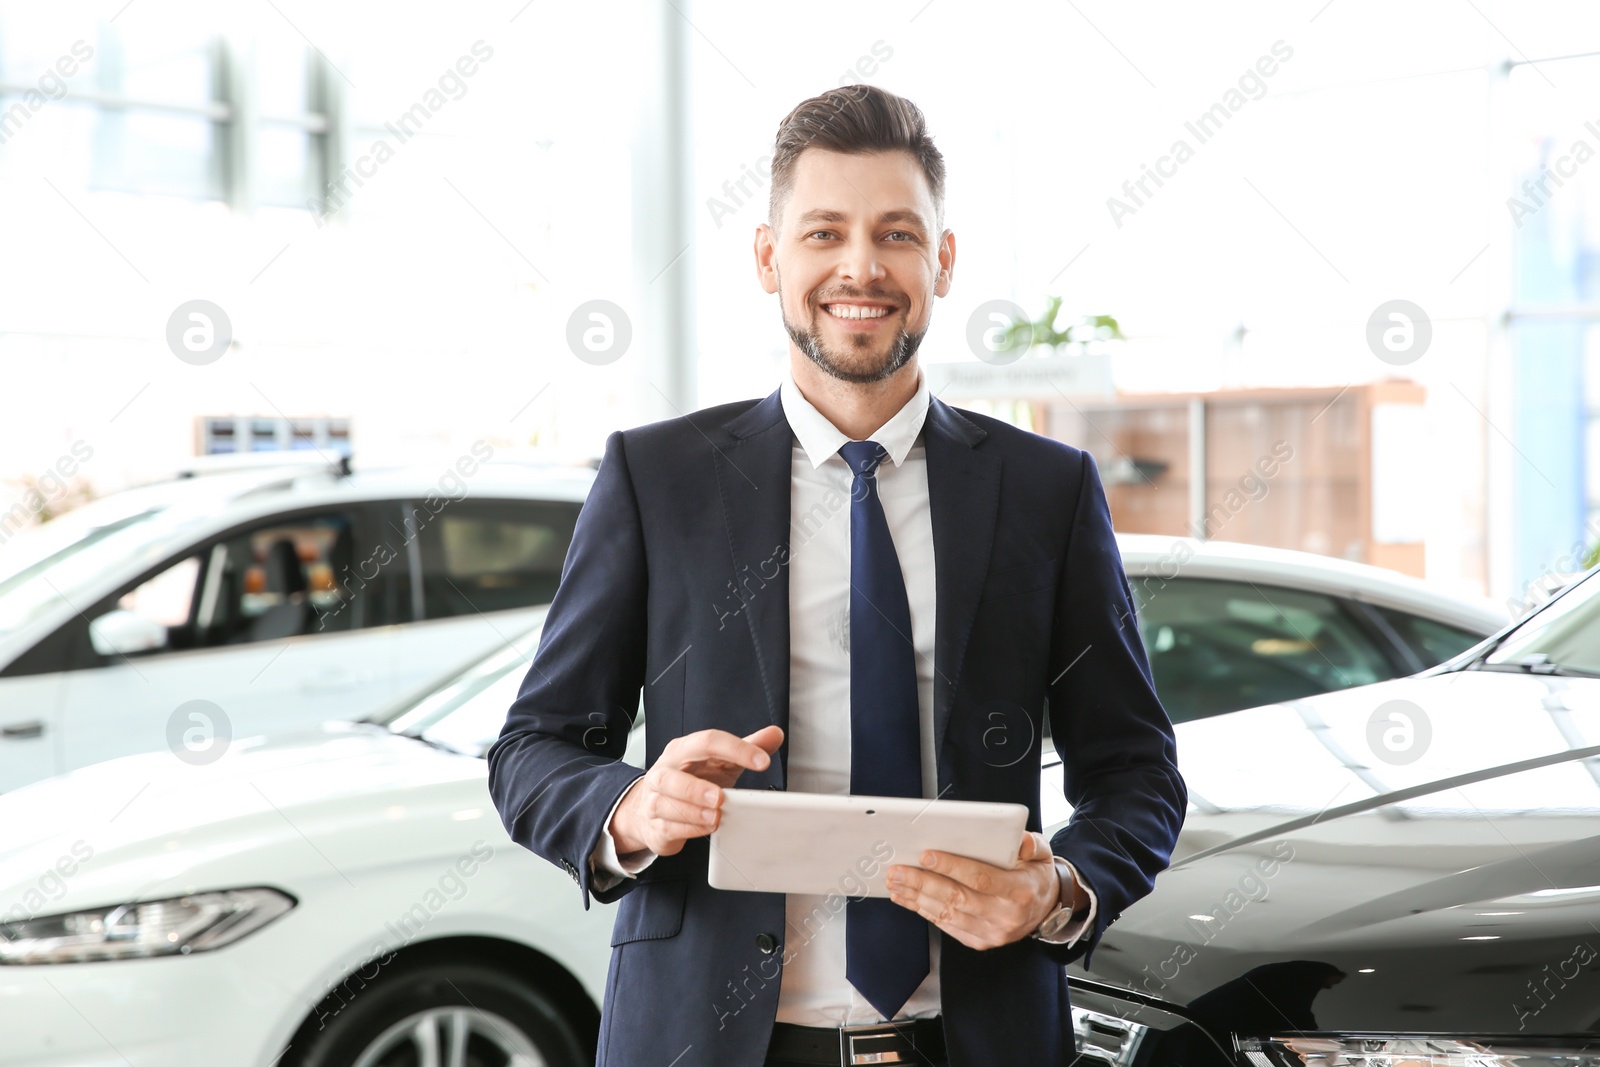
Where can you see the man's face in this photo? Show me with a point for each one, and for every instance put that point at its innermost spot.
(857, 261)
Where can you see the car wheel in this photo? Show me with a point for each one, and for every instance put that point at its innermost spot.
(449, 1015)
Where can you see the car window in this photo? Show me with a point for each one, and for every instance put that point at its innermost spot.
(480, 556)
(286, 578)
(467, 712)
(1219, 646)
(61, 560)
(75, 564)
(1562, 634)
(168, 598)
(1432, 641)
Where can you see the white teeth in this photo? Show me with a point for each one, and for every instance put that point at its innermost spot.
(856, 311)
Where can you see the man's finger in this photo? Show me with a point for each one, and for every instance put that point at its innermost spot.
(944, 903)
(1034, 846)
(948, 904)
(975, 874)
(769, 739)
(681, 785)
(668, 809)
(919, 882)
(670, 832)
(721, 745)
(977, 920)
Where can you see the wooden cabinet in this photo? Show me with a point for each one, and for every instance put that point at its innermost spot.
(1321, 470)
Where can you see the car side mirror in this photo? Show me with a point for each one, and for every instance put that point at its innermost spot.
(122, 632)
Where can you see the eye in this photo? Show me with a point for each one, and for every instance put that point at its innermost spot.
(814, 233)
(908, 236)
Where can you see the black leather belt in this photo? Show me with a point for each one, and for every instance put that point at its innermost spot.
(914, 1041)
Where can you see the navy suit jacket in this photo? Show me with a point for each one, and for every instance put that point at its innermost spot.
(676, 583)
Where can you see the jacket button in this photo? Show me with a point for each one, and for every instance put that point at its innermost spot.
(767, 943)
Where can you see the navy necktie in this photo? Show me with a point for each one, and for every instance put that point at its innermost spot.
(886, 946)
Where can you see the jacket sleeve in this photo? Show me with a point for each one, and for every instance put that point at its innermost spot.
(556, 769)
(1119, 758)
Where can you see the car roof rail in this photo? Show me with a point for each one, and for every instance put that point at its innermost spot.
(224, 463)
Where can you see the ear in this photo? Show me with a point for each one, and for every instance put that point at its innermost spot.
(947, 264)
(766, 248)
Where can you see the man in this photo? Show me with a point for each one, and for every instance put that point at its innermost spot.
(846, 587)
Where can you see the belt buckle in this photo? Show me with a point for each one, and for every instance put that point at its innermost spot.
(855, 1045)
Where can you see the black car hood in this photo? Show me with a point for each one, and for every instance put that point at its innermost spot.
(1420, 856)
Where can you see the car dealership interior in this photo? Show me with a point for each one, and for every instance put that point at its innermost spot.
(386, 515)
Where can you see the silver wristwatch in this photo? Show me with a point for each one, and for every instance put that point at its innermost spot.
(1061, 918)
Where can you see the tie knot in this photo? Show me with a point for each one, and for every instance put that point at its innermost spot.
(863, 456)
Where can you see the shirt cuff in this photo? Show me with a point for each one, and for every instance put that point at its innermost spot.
(1069, 934)
(607, 869)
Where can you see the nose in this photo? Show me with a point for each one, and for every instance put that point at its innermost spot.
(860, 262)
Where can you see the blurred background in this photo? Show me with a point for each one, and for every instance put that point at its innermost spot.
(279, 279)
(1355, 239)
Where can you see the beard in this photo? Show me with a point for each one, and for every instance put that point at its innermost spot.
(865, 358)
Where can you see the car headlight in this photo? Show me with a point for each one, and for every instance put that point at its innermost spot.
(1385, 1051)
(174, 926)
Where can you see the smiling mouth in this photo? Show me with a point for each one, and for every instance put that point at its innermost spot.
(855, 312)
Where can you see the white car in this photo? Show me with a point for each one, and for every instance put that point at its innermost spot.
(347, 895)
(261, 597)
(157, 914)
(1230, 626)
(179, 614)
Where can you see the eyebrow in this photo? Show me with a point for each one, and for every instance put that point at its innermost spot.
(904, 216)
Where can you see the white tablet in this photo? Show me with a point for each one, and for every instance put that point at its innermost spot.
(771, 841)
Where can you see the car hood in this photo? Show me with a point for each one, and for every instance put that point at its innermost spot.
(1421, 855)
(149, 824)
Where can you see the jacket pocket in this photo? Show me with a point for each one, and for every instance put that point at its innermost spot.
(652, 911)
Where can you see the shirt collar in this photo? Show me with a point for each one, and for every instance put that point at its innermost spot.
(821, 439)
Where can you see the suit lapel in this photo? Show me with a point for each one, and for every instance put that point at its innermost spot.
(753, 474)
(964, 502)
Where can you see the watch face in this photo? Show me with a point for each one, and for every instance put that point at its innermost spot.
(1054, 923)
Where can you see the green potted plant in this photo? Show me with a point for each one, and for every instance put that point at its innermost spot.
(1044, 330)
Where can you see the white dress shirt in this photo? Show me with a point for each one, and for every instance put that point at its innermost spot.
(814, 991)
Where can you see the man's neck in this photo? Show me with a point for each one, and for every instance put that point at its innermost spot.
(857, 409)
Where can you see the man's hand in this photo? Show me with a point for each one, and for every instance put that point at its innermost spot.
(979, 905)
(680, 797)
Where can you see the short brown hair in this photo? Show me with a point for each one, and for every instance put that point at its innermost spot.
(854, 119)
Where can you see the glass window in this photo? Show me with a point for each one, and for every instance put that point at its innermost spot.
(467, 713)
(286, 579)
(288, 164)
(1555, 352)
(142, 150)
(169, 62)
(1433, 642)
(491, 555)
(477, 711)
(225, 433)
(283, 580)
(1562, 636)
(65, 566)
(283, 75)
(168, 598)
(1218, 646)
(149, 152)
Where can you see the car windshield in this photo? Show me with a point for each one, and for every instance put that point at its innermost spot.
(1563, 638)
(466, 713)
(63, 565)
